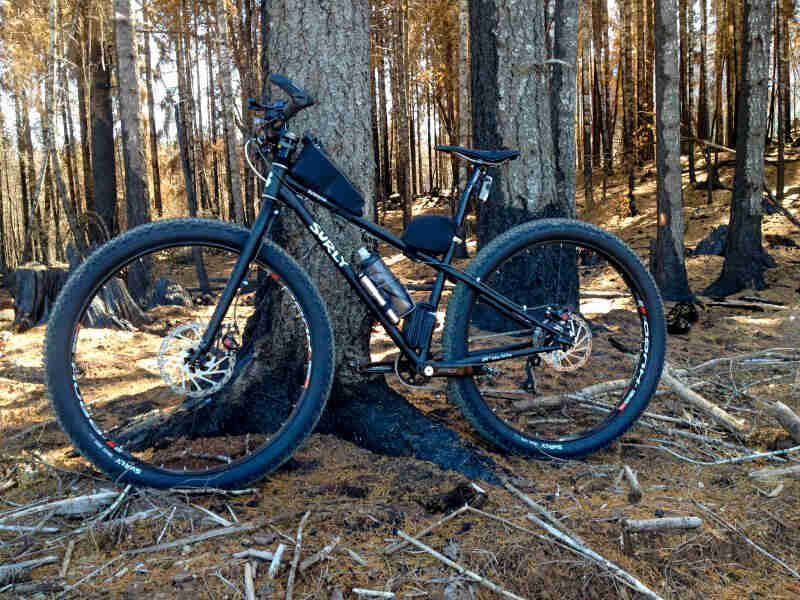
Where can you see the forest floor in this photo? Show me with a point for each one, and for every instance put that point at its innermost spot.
(362, 499)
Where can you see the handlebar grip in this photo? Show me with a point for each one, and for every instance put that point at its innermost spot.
(300, 97)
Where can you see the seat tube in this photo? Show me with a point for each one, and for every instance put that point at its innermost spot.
(462, 205)
(266, 216)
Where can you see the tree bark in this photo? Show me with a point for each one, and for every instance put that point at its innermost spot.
(669, 268)
(702, 95)
(326, 52)
(464, 87)
(510, 110)
(745, 258)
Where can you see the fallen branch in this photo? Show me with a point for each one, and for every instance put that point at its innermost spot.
(463, 570)
(620, 573)
(315, 558)
(636, 490)
(787, 418)
(7, 485)
(193, 539)
(750, 542)
(690, 396)
(662, 524)
(14, 571)
(249, 584)
(23, 529)
(372, 593)
(297, 548)
(251, 553)
(542, 511)
(115, 505)
(769, 473)
(83, 580)
(400, 545)
(80, 505)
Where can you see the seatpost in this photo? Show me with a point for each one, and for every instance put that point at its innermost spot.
(477, 173)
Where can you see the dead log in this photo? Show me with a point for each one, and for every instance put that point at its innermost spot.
(787, 418)
(80, 505)
(688, 395)
(662, 524)
(15, 571)
(35, 288)
(770, 473)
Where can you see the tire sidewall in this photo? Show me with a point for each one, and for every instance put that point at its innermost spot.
(95, 270)
(463, 390)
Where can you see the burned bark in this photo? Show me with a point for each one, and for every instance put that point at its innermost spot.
(330, 60)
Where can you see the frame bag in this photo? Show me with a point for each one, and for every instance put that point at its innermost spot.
(316, 170)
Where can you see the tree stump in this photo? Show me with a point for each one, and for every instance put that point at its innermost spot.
(35, 288)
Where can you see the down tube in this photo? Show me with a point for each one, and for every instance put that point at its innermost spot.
(327, 244)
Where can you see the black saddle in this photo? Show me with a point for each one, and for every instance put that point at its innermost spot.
(481, 157)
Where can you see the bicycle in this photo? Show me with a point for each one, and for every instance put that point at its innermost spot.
(525, 318)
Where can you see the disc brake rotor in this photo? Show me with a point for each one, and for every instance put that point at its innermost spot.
(197, 378)
(577, 355)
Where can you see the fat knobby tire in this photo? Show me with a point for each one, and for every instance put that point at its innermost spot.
(107, 260)
(462, 390)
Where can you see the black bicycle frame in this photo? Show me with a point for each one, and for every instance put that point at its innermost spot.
(280, 186)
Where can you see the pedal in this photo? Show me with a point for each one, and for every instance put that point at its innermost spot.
(376, 367)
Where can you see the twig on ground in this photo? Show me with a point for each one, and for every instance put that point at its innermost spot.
(296, 559)
(7, 485)
(618, 572)
(636, 490)
(541, 510)
(463, 570)
(356, 557)
(391, 548)
(372, 593)
(26, 529)
(83, 580)
(206, 491)
(213, 516)
(110, 510)
(67, 559)
(688, 395)
(249, 584)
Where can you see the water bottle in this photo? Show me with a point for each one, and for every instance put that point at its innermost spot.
(383, 286)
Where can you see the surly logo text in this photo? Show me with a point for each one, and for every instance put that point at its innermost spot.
(328, 244)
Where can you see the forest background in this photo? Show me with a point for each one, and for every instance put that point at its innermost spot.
(116, 113)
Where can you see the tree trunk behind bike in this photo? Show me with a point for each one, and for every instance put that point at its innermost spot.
(512, 109)
(327, 53)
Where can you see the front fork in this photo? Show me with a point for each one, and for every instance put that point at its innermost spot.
(266, 218)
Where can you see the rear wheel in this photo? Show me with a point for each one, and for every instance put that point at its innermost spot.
(119, 365)
(573, 398)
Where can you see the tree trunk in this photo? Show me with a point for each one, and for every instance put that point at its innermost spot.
(24, 184)
(562, 98)
(400, 110)
(151, 119)
(668, 265)
(506, 41)
(702, 95)
(745, 258)
(231, 146)
(331, 63)
(386, 159)
(104, 164)
(464, 88)
(137, 197)
(628, 101)
(586, 86)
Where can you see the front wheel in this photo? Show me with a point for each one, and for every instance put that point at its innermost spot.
(123, 373)
(573, 398)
